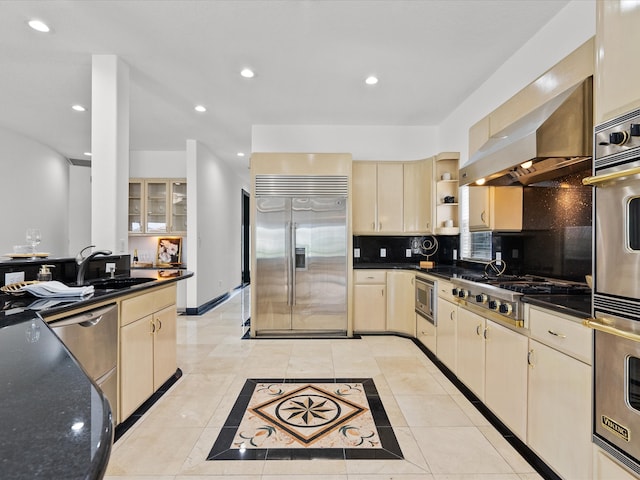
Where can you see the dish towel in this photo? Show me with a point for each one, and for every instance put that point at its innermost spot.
(56, 289)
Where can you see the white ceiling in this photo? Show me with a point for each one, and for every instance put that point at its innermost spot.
(310, 56)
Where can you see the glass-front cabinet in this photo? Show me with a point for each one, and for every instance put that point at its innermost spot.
(136, 191)
(157, 206)
(178, 206)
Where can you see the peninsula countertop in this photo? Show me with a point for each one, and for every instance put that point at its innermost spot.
(55, 421)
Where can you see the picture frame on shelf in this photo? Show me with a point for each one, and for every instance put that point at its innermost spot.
(169, 251)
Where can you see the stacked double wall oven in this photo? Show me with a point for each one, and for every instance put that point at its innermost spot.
(616, 299)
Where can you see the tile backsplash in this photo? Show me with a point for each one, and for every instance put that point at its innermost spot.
(400, 249)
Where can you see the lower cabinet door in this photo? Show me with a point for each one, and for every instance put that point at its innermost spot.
(369, 308)
(446, 333)
(136, 365)
(560, 411)
(164, 346)
(471, 351)
(506, 377)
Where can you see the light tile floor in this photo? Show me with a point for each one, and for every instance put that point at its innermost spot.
(442, 436)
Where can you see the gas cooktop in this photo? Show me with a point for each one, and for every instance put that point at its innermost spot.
(502, 294)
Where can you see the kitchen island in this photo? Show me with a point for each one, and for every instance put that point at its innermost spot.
(56, 423)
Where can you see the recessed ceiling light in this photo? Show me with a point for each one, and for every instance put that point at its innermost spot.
(200, 108)
(88, 154)
(240, 154)
(371, 80)
(39, 25)
(480, 181)
(247, 73)
(79, 108)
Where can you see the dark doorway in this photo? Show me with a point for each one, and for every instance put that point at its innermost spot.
(246, 245)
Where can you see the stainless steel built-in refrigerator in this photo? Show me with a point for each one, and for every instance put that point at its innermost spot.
(301, 255)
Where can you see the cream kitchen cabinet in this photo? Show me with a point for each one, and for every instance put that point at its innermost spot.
(617, 90)
(426, 332)
(506, 376)
(446, 333)
(147, 346)
(401, 317)
(378, 197)
(417, 196)
(559, 393)
(369, 301)
(471, 351)
(157, 206)
(495, 208)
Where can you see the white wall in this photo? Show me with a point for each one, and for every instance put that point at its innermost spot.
(574, 25)
(34, 193)
(157, 164)
(79, 208)
(214, 227)
(363, 142)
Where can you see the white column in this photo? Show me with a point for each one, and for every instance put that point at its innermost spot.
(110, 153)
(193, 235)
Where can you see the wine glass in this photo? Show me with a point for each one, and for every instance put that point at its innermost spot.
(33, 238)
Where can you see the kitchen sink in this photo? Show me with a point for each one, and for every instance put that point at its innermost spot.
(118, 282)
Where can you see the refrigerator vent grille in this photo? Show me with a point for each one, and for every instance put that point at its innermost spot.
(301, 185)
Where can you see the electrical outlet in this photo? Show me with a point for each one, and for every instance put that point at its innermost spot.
(407, 253)
(356, 253)
(455, 254)
(110, 267)
(514, 253)
(383, 252)
(13, 277)
(499, 259)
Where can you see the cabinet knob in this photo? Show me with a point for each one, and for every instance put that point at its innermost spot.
(153, 327)
(159, 324)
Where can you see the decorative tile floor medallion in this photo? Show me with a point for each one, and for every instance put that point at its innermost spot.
(339, 418)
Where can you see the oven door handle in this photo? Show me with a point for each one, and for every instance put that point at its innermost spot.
(598, 179)
(601, 325)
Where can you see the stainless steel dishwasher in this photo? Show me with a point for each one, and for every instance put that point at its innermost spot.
(92, 338)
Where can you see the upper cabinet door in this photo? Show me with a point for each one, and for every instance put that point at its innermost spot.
(156, 198)
(417, 196)
(178, 206)
(479, 210)
(617, 89)
(364, 177)
(136, 188)
(390, 197)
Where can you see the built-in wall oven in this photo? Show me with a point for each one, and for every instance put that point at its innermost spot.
(616, 288)
(424, 299)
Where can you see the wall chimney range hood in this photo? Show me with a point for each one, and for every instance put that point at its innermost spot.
(556, 138)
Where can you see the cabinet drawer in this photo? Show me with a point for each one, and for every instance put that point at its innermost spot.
(370, 276)
(146, 304)
(561, 333)
(426, 333)
(444, 289)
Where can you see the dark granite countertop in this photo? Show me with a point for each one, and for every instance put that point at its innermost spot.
(574, 305)
(55, 421)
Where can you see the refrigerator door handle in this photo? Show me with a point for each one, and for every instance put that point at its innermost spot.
(289, 261)
(292, 260)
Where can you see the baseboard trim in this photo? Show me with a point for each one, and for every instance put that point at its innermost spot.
(205, 307)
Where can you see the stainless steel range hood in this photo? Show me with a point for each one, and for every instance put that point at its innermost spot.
(556, 138)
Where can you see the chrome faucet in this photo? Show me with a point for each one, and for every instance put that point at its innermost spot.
(83, 262)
